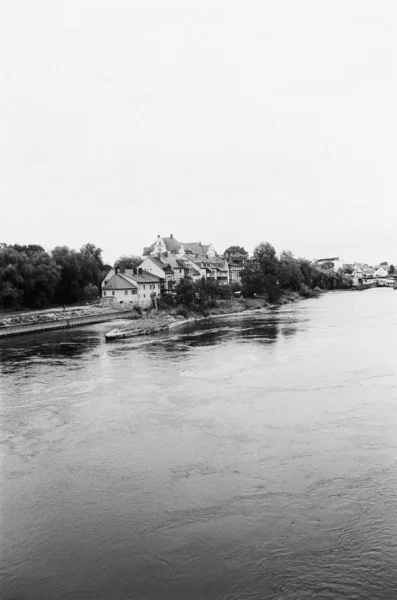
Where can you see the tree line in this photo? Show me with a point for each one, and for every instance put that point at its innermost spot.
(272, 275)
(265, 274)
(31, 277)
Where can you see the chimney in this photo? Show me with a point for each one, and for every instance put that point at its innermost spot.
(122, 267)
(140, 271)
(171, 235)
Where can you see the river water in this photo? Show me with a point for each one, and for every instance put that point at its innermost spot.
(246, 457)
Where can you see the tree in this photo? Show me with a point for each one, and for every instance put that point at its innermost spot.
(265, 255)
(391, 270)
(69, 287)
(91, 251)
(235, 250)
(252, 279)
(28, 276)
(290, 275)
(90, 292)
(130, 262)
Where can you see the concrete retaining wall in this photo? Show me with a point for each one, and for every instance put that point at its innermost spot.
(13, 330)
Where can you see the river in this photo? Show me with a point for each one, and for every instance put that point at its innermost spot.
(250, 457)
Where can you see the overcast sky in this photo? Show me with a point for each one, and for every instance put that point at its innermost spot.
(217, 121)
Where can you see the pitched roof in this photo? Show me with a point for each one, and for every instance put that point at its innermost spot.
(159, 263)
(171, 244)
(196, 248)
(118, 282)
(145, 277)
(128, 276)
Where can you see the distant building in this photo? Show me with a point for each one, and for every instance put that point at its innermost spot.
(381, 272)
(236, 262)
(129, 286)
(184, 259)
(329, 264)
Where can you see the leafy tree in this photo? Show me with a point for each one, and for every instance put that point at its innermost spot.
(252, 279)
(130, 262)
(235, 250)
(266, 257)
(391, 270)
(93, 252)
(90, 292)
(290, 275)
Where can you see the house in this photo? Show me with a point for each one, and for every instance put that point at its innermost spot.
(185, 259)
(329, 264)
(163, 245)
(199, 249)
(170, 268)
(236, 262)
(381, 272)
(129, 286)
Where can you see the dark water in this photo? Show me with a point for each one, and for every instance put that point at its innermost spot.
(250, 457)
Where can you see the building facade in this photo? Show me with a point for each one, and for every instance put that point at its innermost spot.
(130, 286)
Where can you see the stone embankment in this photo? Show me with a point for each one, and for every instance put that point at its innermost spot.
(54, 319)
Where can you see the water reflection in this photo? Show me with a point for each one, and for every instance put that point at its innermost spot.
(47, 347)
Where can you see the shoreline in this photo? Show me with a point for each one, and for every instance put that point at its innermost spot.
(57, 319)
(166, 322)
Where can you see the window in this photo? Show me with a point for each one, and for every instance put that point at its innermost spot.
(104, 293)
(125, 292)
(112, 293)
(144, 287)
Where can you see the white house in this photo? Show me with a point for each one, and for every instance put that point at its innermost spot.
(130, 286)
(170, 268)
(381, 272)
(185, 259)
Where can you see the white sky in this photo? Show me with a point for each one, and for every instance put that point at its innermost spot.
(217, 121)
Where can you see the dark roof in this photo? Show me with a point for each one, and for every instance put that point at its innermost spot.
(171, 244)
(196, 248)
(146, 277)
(118, 282)
(327, 259)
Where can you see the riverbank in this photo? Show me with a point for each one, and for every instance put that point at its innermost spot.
(164, 320)
(34, 317)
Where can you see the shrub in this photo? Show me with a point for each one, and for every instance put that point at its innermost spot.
(182, 311)
(305, 291)
(138, 309)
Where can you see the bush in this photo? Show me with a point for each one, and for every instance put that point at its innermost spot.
(165, 301)
(182, 311)
(138, 309)
(305, 291)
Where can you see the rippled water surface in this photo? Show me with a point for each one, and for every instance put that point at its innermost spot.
(248, 457)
